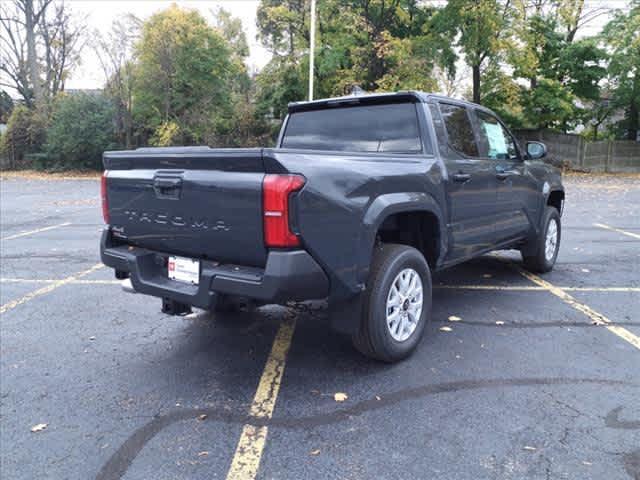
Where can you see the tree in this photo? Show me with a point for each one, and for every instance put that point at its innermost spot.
(37, 37)
(81, 129)
(245, 127)
(541, 49)
(6, 106)
(621, 37)
(183, 75)
(231, 30)
(374, 44)
(62, 41)
(481, 28)
(279, 83)
(501, 93)
(115, 52)
(282, 25)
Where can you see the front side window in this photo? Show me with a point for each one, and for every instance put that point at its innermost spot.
(459, 129)
(498, 143)
(390, 128)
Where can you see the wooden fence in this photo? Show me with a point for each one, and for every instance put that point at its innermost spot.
(615, 156)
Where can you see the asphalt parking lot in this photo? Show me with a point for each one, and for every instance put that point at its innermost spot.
(535, 377)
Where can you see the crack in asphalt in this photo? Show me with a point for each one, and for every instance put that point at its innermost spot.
(117, 465)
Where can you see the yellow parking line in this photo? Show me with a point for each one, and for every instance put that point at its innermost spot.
(246, 459)
(486, 287)
(597, 289)
(50, 280)
(526, 288)
(49, 288)
(596, 317)
(31, 232)
(613, 229)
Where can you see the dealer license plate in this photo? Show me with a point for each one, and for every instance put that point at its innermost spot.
(184, 270)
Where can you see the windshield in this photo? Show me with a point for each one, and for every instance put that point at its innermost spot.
(391, 128)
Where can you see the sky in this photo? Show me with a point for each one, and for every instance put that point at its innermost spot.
(101, 14)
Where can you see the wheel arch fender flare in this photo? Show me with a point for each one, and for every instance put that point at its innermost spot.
(384, 206)
(550, 189)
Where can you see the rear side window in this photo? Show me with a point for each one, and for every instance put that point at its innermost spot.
(391, 128)
(438, 126)
(459, 129)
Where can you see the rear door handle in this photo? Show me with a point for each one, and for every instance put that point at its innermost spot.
(461, 177)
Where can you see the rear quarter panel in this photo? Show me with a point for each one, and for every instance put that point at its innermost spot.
(345, 199)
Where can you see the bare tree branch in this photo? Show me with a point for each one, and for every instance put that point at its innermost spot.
(40, 46)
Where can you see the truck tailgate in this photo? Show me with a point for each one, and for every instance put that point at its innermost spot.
(196, 202)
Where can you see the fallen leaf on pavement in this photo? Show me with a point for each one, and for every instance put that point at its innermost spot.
(531, 449)
(202, 416)
(203, 454)
(340, 397)
(39, 427)
(378, 397)
(445, 329)
(314, 452)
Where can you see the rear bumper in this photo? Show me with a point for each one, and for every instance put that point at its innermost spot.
(288, 275)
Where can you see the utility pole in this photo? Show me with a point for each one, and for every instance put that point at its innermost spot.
(312, 47)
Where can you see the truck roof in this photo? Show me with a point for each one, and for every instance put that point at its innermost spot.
(373, 98)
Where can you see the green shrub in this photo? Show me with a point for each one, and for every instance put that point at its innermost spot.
(39, 161)
(25, 134)
(81, 128)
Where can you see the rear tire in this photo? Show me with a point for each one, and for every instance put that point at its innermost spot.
(392, 322)
(547, 244)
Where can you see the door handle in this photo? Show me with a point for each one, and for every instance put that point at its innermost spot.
(461, 177)
(167, 187)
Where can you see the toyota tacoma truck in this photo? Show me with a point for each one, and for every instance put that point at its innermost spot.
(362, 198)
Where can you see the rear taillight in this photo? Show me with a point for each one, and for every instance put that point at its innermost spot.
(103, 194)
(276, 190)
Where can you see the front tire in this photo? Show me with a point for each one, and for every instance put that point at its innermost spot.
(397, 304)
(547, 244)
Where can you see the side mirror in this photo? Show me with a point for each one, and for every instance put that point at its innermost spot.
(536, 150)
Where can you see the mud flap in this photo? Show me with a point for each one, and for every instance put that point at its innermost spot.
(345, 315)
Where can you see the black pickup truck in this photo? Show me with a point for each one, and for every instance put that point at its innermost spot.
(363, 197)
